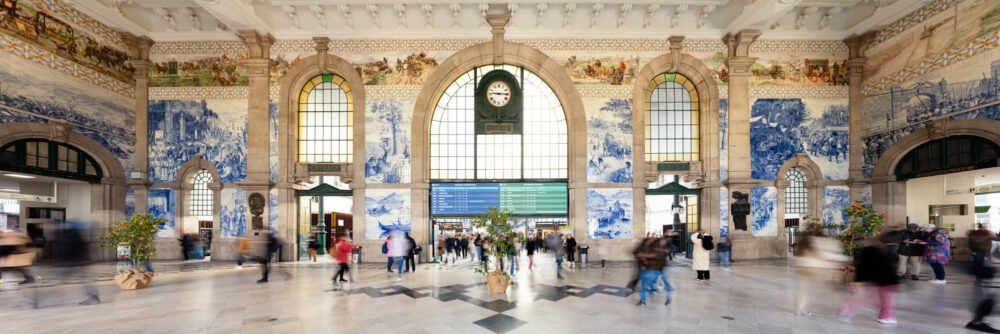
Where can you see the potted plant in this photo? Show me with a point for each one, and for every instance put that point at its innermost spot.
(862, 222)
(502, 240)
(136, 236)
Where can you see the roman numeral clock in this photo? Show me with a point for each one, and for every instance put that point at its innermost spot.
(499, 103)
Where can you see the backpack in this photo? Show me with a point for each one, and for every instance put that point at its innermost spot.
(706, 242)
(385, 247)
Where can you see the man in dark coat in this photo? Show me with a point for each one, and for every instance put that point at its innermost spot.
(911, 251)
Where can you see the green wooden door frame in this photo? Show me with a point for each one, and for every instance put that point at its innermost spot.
(321, 190)
(676, 189)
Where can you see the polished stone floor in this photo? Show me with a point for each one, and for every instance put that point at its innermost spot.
(216, 297)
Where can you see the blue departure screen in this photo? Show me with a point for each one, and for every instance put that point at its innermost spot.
(464, 198)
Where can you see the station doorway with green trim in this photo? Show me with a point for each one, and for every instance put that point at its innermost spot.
(673, 208)
(324, 211)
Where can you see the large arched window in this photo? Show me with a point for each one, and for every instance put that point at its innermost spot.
(201, 196)
(326, 120)
(796, 195)
(673, 130)
(540, 152)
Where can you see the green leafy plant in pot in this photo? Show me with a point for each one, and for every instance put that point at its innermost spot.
(137, 235)
(862, 222)
(500, 240)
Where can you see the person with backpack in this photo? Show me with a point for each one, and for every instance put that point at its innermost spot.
(702, 249)
(385, 250)
(938, 251)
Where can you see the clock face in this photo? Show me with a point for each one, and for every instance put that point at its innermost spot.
(498, 93)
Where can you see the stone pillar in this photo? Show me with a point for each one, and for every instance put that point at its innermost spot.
(258, 180)
(856, 45)
(139, 180)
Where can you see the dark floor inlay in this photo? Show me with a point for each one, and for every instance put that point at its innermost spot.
(500, 323)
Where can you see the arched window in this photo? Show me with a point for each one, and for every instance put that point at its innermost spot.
(796, 195)
(948, 154)
(201, 196)
(540, 152)
(673, 131)
(43, 157)
(326, 122)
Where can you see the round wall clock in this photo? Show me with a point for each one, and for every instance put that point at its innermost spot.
(498, 93)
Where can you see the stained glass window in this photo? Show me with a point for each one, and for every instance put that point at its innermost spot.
(673, 130)
(201, 196)
(796, 195)
(540, 152)
(326, 120)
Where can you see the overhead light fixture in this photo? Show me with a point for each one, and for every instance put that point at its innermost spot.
(20, 176)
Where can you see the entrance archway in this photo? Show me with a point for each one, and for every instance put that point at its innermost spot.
(888, 192)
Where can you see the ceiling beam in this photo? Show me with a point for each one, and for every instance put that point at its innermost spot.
(886, 15)
(235, 14)
(108, 15)
(761, 14)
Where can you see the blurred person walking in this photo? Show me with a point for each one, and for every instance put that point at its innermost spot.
(342, 252)
(463, 244)
(478, 243)
(571, 250)
(398, 248)
(410, 254)
(815, 258)
(243, 249)
(725, 251)
(874, 267)
(662, 246)
(911, 251)
(385, 250)
(273, 245)
(702, 250)
(187, 243)
(530, 245)
(312, 246)
(652, 259)
(980, 243)
(556, 246)
(70, 256)
(450, 245)
(938, 252)
(16, 255)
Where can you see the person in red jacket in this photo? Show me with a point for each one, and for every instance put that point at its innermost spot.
(342, 252)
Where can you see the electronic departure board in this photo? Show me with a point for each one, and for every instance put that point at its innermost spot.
(470, 199)
(464, 198)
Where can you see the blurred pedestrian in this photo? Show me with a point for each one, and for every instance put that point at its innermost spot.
(980, 243)
(385, 250)
(874, 267)
(662, 248)
(398, 248)
(450, 245)
(411, 253)
(938, 251)
(463, 244)
(724, 249)
(911, 251)
(273, 245)
(16, 255)
(702, 249)
(478, 243)
(342, 252)
(652, 259)
(556, 246)
(815, 258)
(571, 250)
(70, 256)
(312, 246)
(643, 244)
(243, 249)
(530, 246)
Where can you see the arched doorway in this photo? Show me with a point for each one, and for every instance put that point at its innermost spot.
(94, 190)
(943, 162)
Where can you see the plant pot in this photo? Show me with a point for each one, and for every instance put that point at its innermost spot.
(133, 279)
(497, 281)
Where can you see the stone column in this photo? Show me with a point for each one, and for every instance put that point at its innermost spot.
(139, 180)
(856, 45)
(258, 180)
(738, 62)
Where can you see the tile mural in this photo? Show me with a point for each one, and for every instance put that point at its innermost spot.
(129, 202)
(609, 213)
(161, 204)
(387, 140)
(232, 213)
(609, 141)
(386, 210)
(272, 209)
(764, 209)
(273, 142)
(723, 212)
(780, 128)
(215, 129)
(30, 92)
(835, 198)
(967, 90)
(723, 140)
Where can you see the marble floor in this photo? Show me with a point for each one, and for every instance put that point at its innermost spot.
(216, 297)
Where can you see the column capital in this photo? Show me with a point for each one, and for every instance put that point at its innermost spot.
(739, 43)
(498, 22)
(138, 45)
(857, 44)
(258, 44)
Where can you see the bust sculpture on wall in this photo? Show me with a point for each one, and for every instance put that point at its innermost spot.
(256, 203)
(739, 210)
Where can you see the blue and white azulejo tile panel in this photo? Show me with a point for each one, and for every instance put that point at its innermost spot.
(609, 140)
(215, 129)
(609, 213)
(764, 209)
(387, 140)
(835, 198)
(232, 213)
(386, 210)
(161, 205)
(780, 128)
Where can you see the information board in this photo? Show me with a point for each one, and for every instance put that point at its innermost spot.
(464, 198)
(471, 199)
(534, 198)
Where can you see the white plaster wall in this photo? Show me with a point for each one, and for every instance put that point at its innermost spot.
(923, 192)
